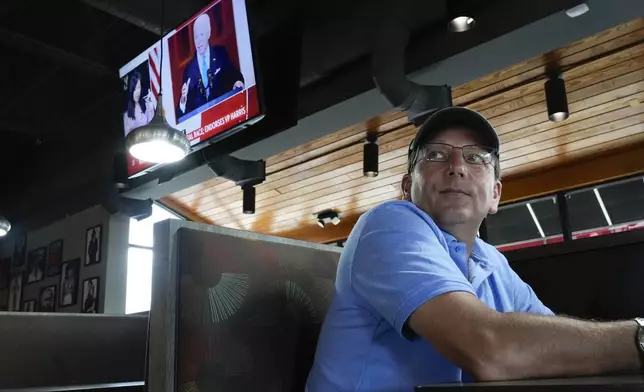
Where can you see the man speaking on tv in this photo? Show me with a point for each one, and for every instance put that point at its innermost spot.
(209, 74)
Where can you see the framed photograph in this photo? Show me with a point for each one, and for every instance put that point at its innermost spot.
(69, 283)
(90, 295)
(29, 306)
(55, 258)
(47, 299)
(36, 265)
(93, 242)
(20, 251)
(5, 273)
(15, 293)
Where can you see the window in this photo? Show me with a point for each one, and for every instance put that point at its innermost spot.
(584, 211)
(139, 260)
(525, 224)
(606, 209)
(599, 210)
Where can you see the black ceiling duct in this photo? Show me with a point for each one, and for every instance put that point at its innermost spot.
(244, 173)
(388, 67)
(133, 208)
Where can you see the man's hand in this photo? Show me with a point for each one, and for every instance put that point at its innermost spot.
(149, 101)
(184, 92)
(238, 84)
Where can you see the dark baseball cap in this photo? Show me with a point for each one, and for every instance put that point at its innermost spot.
(452, 116)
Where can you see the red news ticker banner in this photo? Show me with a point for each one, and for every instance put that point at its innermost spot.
(233, 111)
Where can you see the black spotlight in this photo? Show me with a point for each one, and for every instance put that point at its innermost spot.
(249, 199)
(370, 158)
(556, 99)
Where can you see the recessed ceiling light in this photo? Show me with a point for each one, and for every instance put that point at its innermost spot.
(460, 24)
(577, 10)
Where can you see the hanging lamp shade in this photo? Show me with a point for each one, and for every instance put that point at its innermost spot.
(157, 141)
(556, 99)
(370, 156)
(5, 226)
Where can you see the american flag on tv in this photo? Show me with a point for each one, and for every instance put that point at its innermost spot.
(154, 60)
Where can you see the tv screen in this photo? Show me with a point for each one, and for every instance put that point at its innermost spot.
(207, 77)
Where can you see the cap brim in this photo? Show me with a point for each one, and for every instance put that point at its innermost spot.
(450, 117)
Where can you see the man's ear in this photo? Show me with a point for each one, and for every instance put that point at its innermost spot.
(405, 186)
(496, 197)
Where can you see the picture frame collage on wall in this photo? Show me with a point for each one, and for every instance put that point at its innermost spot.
(27, 268)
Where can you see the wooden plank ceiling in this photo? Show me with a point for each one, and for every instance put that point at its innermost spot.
(604, 77)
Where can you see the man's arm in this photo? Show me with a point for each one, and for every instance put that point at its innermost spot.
(504, 346)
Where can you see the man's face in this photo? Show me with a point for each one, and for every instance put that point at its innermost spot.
(453, 192)
(202, 34)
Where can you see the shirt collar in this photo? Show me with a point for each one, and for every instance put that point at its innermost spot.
(479, 250)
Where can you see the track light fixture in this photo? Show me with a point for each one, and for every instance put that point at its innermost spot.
(249, 199)
(5, 226)
(556, 98)
(370, 158)
(328, 216)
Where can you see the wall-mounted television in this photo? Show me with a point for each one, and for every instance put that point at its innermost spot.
(207, 77)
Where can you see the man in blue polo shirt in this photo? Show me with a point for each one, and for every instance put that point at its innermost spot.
(419, 299)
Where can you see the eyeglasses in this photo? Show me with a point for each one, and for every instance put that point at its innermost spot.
(473, 154)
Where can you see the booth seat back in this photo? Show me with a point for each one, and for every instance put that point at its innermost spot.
(592, 278)
(249, 311)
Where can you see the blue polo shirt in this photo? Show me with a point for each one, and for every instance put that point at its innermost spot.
(396, 259)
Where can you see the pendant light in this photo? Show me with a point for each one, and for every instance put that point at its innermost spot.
(370, 156)
(556, 99)
(248, 196)
(5, 226)
(157, 141)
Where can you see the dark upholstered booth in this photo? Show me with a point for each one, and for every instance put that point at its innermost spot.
(248, 309)
(592, 278)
